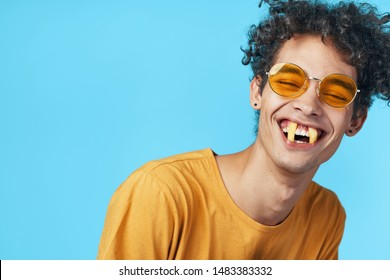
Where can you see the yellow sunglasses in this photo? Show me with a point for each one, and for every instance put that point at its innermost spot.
(290, 80)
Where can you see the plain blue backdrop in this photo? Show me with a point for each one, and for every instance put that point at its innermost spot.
(91, 90)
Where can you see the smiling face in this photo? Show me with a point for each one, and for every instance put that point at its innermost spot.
(298, 134)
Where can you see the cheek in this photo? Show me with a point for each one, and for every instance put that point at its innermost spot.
(271, 101)
(341, 120)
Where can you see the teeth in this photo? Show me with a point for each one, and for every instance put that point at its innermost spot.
(313, 135)
(301, 132)
(292, 127)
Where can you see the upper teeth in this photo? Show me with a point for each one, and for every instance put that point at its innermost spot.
(302, 132)
(292, 129)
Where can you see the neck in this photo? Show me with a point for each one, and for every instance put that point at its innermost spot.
(264, 191)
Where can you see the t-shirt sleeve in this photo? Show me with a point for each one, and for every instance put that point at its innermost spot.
(139, 222)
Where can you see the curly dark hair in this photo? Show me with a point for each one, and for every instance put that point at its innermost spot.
(357, 31)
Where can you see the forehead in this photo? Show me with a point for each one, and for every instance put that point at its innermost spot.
(317, 57)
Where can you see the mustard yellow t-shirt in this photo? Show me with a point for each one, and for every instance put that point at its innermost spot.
(179, 208)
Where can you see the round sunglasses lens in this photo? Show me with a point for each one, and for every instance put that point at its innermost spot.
(287, 79)
(337, 90)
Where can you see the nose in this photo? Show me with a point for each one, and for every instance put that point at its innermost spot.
(308, 102)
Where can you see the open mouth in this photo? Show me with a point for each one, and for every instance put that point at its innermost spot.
(301, 134)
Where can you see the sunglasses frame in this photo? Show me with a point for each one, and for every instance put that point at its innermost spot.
(307, 78)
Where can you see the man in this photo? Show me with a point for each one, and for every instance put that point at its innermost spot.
(316, 68)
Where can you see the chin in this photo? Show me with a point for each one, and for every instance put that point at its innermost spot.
(298, 168)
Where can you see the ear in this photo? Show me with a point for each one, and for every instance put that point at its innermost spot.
(255, 94)
(356, 123)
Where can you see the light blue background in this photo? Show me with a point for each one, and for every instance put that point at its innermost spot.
(90, 90)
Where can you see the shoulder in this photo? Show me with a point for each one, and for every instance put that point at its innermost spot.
(316, 191)
(173, 173)
(180, 161)
(324, 201)
(321, 217)
(172, 168)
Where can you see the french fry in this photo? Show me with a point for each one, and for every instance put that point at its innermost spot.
(292, 127)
